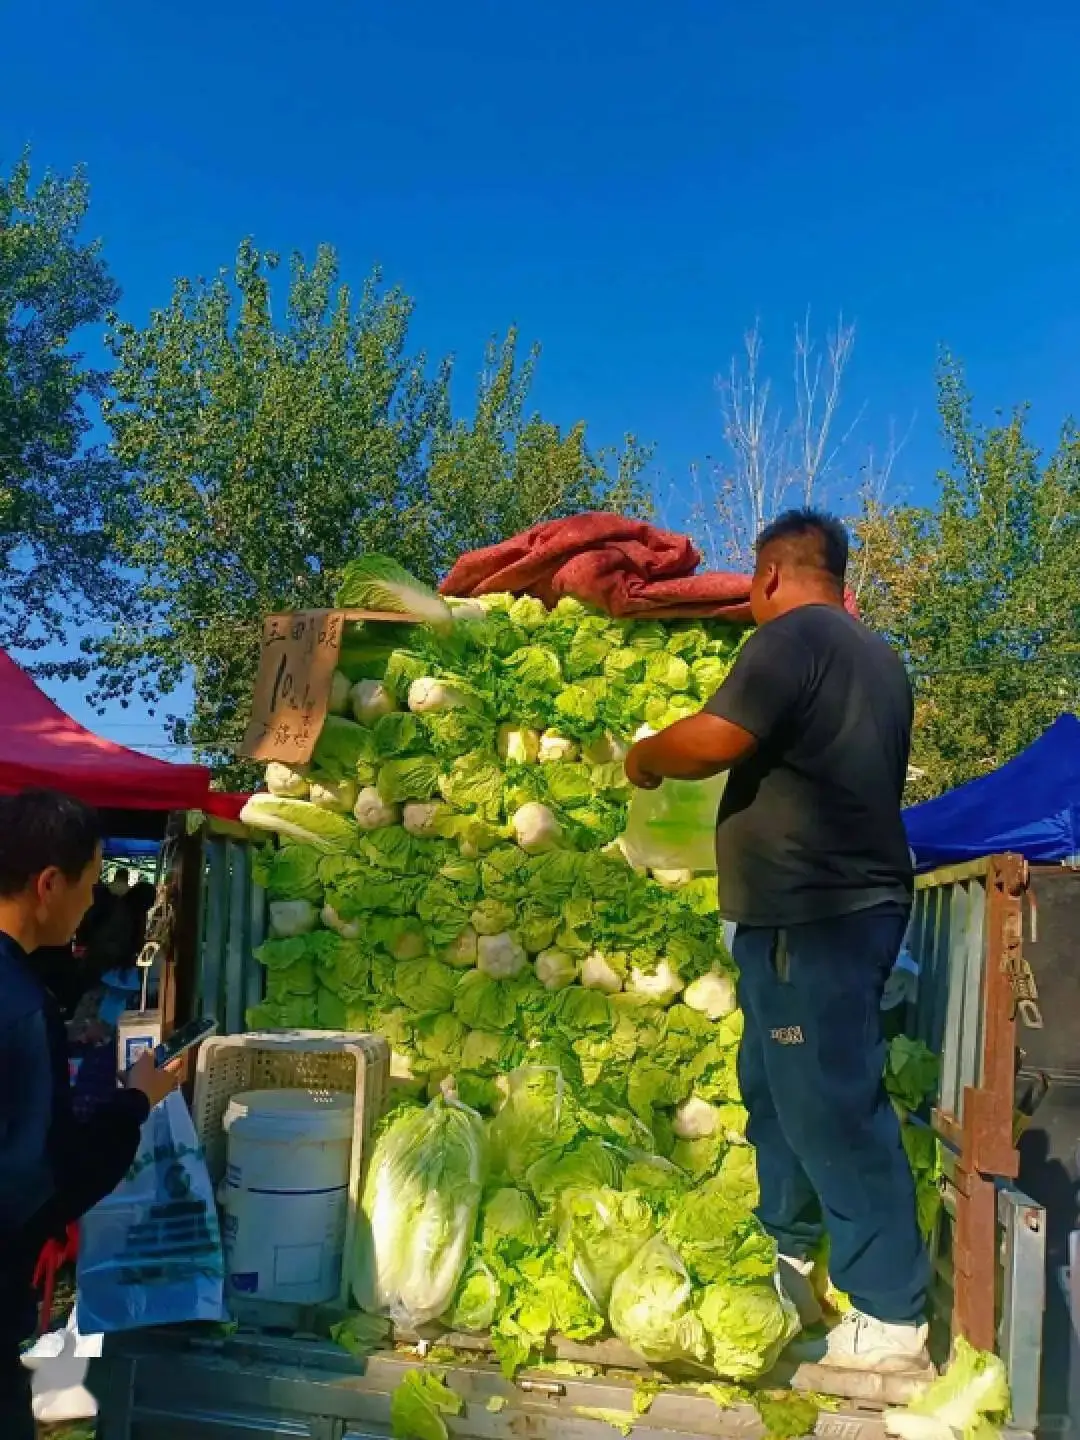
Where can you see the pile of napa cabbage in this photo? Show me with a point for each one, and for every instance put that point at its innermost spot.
(449, 872)
(554, 1219)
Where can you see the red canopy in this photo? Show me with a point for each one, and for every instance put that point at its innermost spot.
(225, 804)
(42, 747)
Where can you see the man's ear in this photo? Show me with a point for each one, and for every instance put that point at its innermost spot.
(772, 579)
(46, 884)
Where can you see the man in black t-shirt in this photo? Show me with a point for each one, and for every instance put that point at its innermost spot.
(814, 724)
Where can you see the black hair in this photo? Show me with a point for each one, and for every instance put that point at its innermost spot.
(812, 540)
(41, 830)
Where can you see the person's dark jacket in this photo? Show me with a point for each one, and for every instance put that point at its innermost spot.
(63, 975)
(53, 1169)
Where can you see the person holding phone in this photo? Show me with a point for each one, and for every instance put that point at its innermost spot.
(53, 1169)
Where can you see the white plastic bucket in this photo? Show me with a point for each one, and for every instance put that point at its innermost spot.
(286, 1194)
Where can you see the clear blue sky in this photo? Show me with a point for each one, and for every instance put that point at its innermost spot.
(630, 183)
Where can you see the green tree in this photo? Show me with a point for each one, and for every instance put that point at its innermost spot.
(54, 488)
(981, 592)
(260, 455)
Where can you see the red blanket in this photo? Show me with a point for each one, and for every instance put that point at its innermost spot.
(624, 567)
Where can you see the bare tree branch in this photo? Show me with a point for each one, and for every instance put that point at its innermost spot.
(780, 451)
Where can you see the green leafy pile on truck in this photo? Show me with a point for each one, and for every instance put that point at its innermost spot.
(451, 873)
(556, 1219)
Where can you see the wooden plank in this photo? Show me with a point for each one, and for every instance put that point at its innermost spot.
(255, 974)
(183, 1001)
(274, 1386)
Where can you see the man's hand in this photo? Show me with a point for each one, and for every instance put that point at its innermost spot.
(691, 749)
(637, 771)
(155, 1084)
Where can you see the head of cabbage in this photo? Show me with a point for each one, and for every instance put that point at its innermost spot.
(652, 1307)
(748, 1326)
(419, 1212)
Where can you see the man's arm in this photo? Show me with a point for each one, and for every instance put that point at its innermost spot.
(90, 1157)
(767, 680)
(54, 1168)
(26, 1179)
(691, 749)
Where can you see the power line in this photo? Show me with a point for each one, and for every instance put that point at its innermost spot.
(223, 746)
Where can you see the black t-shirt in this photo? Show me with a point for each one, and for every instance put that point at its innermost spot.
(809, 826)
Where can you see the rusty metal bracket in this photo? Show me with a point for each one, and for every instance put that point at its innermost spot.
(974, 1254)
(988, 1109)
(1025, 992)
(948, 1127)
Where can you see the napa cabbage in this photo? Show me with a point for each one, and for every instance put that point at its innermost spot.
(420, 1205)
(969, 1401)
(298, 820)
(378, 582)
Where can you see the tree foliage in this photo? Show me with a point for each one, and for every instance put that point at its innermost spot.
(264, 433)
(54, 489)
(981, 592)
(261, 455)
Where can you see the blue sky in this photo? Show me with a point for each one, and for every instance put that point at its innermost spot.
(631, 184)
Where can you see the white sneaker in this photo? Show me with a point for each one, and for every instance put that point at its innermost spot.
(797, 1278)
(860, 1342)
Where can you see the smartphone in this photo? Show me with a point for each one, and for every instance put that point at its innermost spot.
(183, 1039)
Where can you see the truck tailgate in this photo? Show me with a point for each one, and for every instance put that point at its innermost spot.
(175, 1387)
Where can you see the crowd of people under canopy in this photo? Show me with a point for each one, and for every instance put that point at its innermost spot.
(107, 944)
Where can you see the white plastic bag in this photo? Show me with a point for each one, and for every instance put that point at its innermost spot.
(674, 826)
(59, 1362)
(150, 1253)
(902, 986)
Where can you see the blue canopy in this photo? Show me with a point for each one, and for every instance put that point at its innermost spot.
(131, 849)
(1031, 806)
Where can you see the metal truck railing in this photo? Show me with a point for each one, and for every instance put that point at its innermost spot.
(231, 925)
(990, 1258)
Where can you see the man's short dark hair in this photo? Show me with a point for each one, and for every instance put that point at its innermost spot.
(811, 540)
(40, 830)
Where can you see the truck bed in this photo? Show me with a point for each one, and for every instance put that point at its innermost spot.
(172, 1386)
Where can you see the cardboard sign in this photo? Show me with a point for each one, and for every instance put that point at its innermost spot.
(296, 670)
